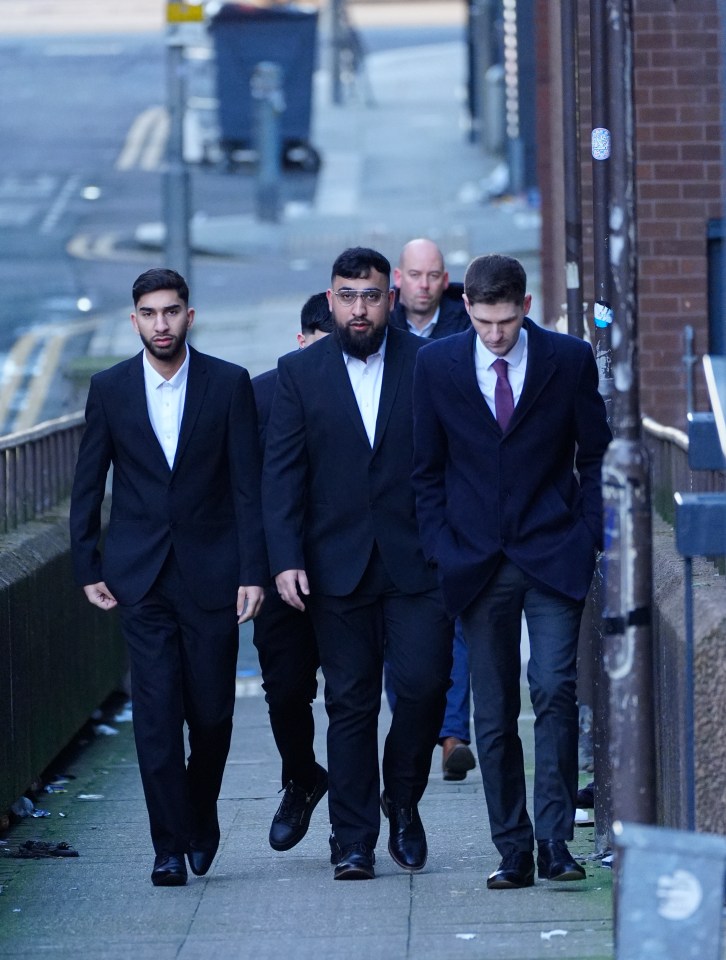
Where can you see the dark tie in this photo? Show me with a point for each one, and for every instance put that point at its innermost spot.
(503, 396)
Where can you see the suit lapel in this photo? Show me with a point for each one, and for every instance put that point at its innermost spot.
(392, 370)
(541, 367)
(338, 373)
(197, 383)
(139, 409)
(462, 369)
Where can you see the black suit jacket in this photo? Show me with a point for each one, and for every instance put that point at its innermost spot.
(263, 386)
(453, 317)
(207, 506)
(327, 495)
(482, 494)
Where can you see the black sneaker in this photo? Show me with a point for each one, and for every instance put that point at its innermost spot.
(291, 822)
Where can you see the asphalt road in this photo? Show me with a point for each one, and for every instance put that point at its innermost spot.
(83, 134)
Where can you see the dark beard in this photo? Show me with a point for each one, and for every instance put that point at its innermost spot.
(166, 354)
(360, 345)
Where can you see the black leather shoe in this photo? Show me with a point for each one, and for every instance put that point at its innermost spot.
(407, 839)
(516, 870)
(203, 845)
(291, 822)
(555, 862)
(169, 870)
(355, 863)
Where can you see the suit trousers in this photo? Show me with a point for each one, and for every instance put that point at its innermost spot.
(289, 660)
(183, 664)
(492, 627)
(417, 648)
(457, 716)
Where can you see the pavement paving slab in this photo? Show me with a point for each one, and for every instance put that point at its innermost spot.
(258, 903)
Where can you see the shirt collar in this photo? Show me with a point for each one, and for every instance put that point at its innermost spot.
(154, 379)
(424, 331)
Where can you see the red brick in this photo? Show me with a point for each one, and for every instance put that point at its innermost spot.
(659, 151)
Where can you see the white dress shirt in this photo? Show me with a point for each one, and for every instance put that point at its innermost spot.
(165, 403)
(366, 378)
(487, 377)
(428, 329)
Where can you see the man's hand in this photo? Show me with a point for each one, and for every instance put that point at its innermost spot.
(287, 584)
(100, 596)
(249, 602)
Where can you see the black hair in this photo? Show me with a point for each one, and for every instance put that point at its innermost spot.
(357, 262)
(160, 278)
(316, 315)
(495, 278)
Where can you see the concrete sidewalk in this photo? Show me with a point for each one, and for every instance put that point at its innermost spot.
(260, 904)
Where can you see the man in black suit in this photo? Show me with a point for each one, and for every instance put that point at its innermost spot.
(342, 536)
(504, 416)
(287, 649)
(183, 559)
(428, 305)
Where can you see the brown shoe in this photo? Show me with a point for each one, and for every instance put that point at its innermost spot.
(457, 759)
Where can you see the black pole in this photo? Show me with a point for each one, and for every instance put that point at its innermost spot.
(336, 50)
(573, 178)
(176, 186)
(626, 474)
(600, 152)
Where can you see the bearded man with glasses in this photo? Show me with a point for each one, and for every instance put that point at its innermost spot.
(343, 542)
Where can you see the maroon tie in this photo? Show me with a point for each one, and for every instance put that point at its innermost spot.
(503, 396)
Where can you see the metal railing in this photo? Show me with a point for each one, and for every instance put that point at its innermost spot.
(668, 449)
(36, 469)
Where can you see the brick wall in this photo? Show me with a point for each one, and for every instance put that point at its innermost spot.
(679, 187)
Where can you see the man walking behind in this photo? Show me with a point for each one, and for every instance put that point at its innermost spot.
(287, 648)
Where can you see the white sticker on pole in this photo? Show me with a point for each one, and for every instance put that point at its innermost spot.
(603, 314)
(601, 143)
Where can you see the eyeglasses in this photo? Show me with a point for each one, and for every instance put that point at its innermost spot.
(370, 297)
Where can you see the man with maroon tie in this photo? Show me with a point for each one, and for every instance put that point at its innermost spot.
(509, 436)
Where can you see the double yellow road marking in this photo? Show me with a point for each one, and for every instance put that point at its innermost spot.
(27, 374)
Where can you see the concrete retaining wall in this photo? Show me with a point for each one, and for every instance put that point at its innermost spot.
(59, 656)
(710, 686)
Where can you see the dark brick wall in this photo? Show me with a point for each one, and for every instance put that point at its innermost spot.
(679, 185)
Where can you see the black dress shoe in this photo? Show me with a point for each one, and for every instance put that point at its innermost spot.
(291, 822)
(355, 863)
(407, 839)
(204, 844)
(516, 870)
(555, 862)
(169, 870)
